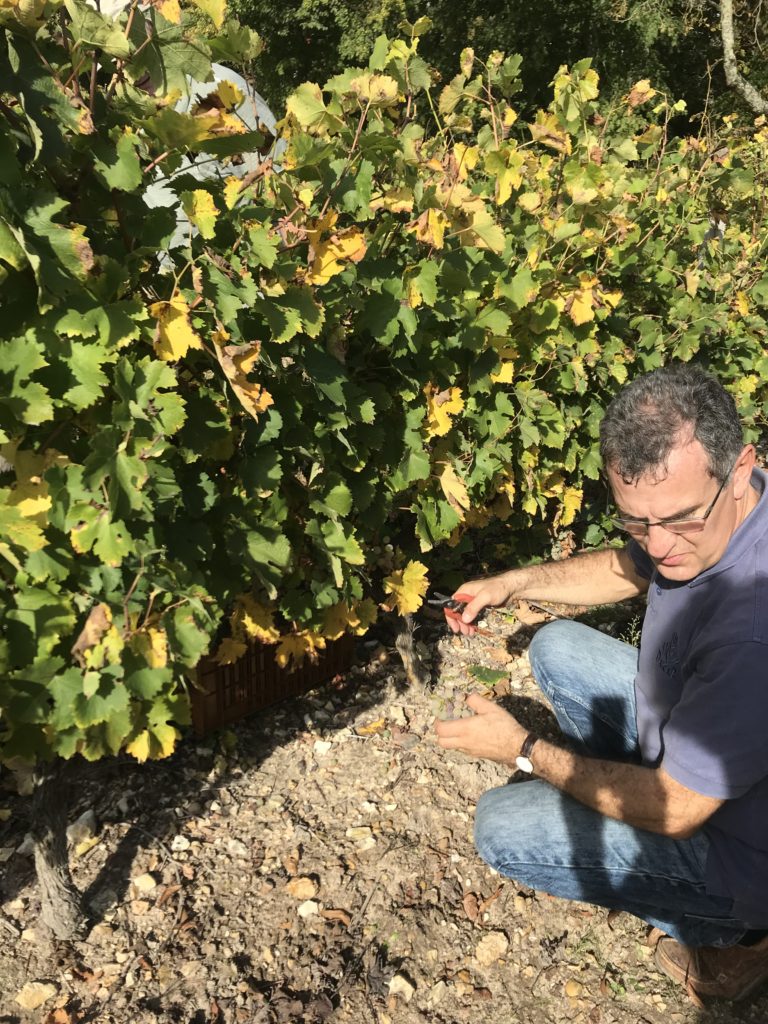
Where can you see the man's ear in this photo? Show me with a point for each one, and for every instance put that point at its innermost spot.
(742, 473)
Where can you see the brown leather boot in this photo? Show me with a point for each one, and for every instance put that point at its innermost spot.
(731, 973)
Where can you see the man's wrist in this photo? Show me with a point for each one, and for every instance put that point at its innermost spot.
(523, 760)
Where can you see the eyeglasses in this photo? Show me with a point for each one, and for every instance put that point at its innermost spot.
(689, 524)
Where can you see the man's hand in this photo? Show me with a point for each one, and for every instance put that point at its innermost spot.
(480, 594)
(491, 732)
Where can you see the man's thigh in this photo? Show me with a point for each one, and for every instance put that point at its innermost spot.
(543, 838)
(588, 678)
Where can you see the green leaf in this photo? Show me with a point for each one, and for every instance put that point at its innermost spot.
(117, 163)
(92, 30)
(487, 676)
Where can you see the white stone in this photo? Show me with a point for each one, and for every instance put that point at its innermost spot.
(401, 986)
(179, 844)
(83, 828)
(144, 883)
(308, 908)
(491, 947)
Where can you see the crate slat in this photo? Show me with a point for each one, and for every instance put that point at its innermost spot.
(226, 693)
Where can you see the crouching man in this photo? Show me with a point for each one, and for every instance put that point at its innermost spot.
(656, 800)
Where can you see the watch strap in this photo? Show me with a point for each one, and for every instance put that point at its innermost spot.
(528, 745)
(523, 760)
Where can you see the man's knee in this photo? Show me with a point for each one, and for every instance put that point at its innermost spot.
(555, 645)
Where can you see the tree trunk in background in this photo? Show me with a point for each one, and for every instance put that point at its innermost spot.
(735, 80)
(62, 908)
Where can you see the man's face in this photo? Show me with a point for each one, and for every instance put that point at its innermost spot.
(687, 489)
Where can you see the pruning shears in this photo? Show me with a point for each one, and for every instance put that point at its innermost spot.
(453, 607)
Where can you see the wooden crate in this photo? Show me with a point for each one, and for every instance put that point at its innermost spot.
(226, 693)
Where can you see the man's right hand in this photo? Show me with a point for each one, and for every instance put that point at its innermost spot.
(479, 594)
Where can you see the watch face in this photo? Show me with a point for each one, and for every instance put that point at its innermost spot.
(524, 764)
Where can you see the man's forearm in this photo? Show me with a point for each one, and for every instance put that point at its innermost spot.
(597, 577)
(646, 798)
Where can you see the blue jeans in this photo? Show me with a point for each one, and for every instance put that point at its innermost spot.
(547, 840)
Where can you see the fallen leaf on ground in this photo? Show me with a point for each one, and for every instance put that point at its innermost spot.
(471, 906)
(337, 914)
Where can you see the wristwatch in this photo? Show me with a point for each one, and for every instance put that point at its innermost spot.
(523, 760)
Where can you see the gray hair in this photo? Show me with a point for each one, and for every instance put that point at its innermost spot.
(652, 414)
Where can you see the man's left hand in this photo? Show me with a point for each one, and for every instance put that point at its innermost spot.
(491, 732)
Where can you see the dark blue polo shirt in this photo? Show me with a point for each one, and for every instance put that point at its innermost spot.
(702, 701)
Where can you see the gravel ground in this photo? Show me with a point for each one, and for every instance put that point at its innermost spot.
(315, 863)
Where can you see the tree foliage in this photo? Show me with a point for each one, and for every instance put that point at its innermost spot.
(407, 329)
(676, 43)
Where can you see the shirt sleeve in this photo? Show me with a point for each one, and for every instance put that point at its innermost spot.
(714, 741)
(643, 564)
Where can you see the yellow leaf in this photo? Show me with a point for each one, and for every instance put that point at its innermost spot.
(214, 124)
(170, 10)
(85, 845)
(230, 651)
(396, 200)
(201, 210)
(507, 180)
(232, 187)
(367, 613)
(375, 90)
(408, 587)
(96, 625)
(611, 299)
(140, 746)
(231, 97)
(256, 619)
(509, 118)
(340, 618)
(215, 9)
(370, 730)
(506, 374)
(580, 306)
(175, 335)
(29, 494)
(466, 158)
(548, 130)
(692, 279)
(430, 228)
(441, 407)
(157, 651)
(237, 361)
(640, 93)
(571, 503)
(327, 256)
(529, 201)
(306, 195)
(742, 303)
(453, 488)
(165, 737)
(295, 647)
(589, 85)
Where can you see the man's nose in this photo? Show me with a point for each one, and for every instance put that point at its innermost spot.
(659, 542)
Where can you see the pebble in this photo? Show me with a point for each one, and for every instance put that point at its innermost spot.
(180, 844)
(309, 908)
(491, 948)
(321, 747)
(402, 986)
(83, 828)
(34, 994)
(144, 883)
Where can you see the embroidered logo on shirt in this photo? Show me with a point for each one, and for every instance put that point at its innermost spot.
(668, 657)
